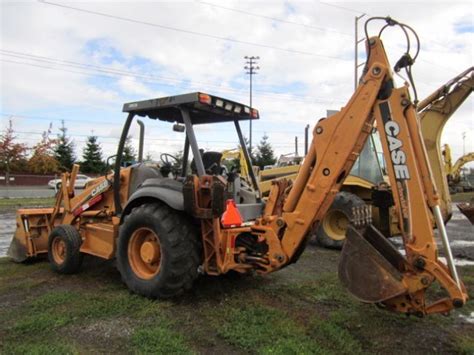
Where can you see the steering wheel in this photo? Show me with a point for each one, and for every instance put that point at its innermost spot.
(165, 159)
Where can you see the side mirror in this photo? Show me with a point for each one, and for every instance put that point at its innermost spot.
(178, 127)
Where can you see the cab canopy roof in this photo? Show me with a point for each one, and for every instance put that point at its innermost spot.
(202, 108)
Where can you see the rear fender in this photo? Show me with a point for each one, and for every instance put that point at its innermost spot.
(172, 198)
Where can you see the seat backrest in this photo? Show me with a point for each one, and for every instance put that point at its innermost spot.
(211, 161)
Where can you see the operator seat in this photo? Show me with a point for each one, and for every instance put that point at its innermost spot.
(211, 161)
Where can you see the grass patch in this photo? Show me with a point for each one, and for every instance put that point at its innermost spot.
(14, 276)
(42, 318)
(462, 197)
(261, 329)
(158, 339)
(93, 312)
(327, 290)
(465, 344)
(93, 306)
(38, 348)
(40, 323)
(8, 203)
(334, 337)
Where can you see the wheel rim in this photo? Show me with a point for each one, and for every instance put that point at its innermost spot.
(59, 250)
(144, 253)
(335, 225)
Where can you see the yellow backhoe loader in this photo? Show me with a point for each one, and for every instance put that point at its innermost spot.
(164, 230)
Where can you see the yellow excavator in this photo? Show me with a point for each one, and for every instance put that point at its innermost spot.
(165, 230)
(453, 171)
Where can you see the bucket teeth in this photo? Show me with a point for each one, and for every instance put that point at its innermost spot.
(361, 216)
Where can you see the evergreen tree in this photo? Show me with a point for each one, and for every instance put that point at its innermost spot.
(128, 155)
(92, 157)
(264, 154)
(64, 150)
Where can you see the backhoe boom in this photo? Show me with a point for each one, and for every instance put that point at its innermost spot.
(371, 268)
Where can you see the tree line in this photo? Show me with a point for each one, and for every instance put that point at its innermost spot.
(52, 154)
(56, 154)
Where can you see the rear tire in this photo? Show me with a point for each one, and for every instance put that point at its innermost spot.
(158, 252)
(64, 246)
(331, 232)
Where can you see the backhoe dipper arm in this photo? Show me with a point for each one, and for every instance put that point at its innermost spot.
(397, 282)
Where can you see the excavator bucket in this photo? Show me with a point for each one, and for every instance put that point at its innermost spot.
(467, 209)
(370, 267)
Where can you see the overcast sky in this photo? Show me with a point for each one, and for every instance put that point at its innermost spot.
(81, 64)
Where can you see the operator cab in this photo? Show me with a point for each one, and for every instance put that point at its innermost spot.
(166, 183)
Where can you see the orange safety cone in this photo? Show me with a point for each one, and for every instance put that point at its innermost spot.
(231, 217)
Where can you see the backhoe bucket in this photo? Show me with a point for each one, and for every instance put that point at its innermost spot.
(370, 266)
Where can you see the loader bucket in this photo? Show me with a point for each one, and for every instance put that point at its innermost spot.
(31, 234)
(370, 266)
(17, 251)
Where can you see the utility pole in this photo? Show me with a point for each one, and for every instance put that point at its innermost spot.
(251, 69)
(356, 50)
(306, 132)
(463, 143)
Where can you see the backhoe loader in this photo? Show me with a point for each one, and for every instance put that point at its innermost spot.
(165, 230)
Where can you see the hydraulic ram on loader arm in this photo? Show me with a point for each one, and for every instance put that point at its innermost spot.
(371, 268)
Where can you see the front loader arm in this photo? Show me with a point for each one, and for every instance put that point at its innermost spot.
(371, 268)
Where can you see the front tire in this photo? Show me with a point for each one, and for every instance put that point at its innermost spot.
(64, 244)
(158, 252)
(331, 232)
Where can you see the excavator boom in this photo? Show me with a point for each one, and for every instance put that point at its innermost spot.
(455, 172)
(434, 111)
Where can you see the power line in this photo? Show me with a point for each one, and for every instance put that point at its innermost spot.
(344, 8)
(147, 138)
(429, 40)
(148, 77)
(273, 18)
(31, 56)
(68, 120)
(194, 33)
